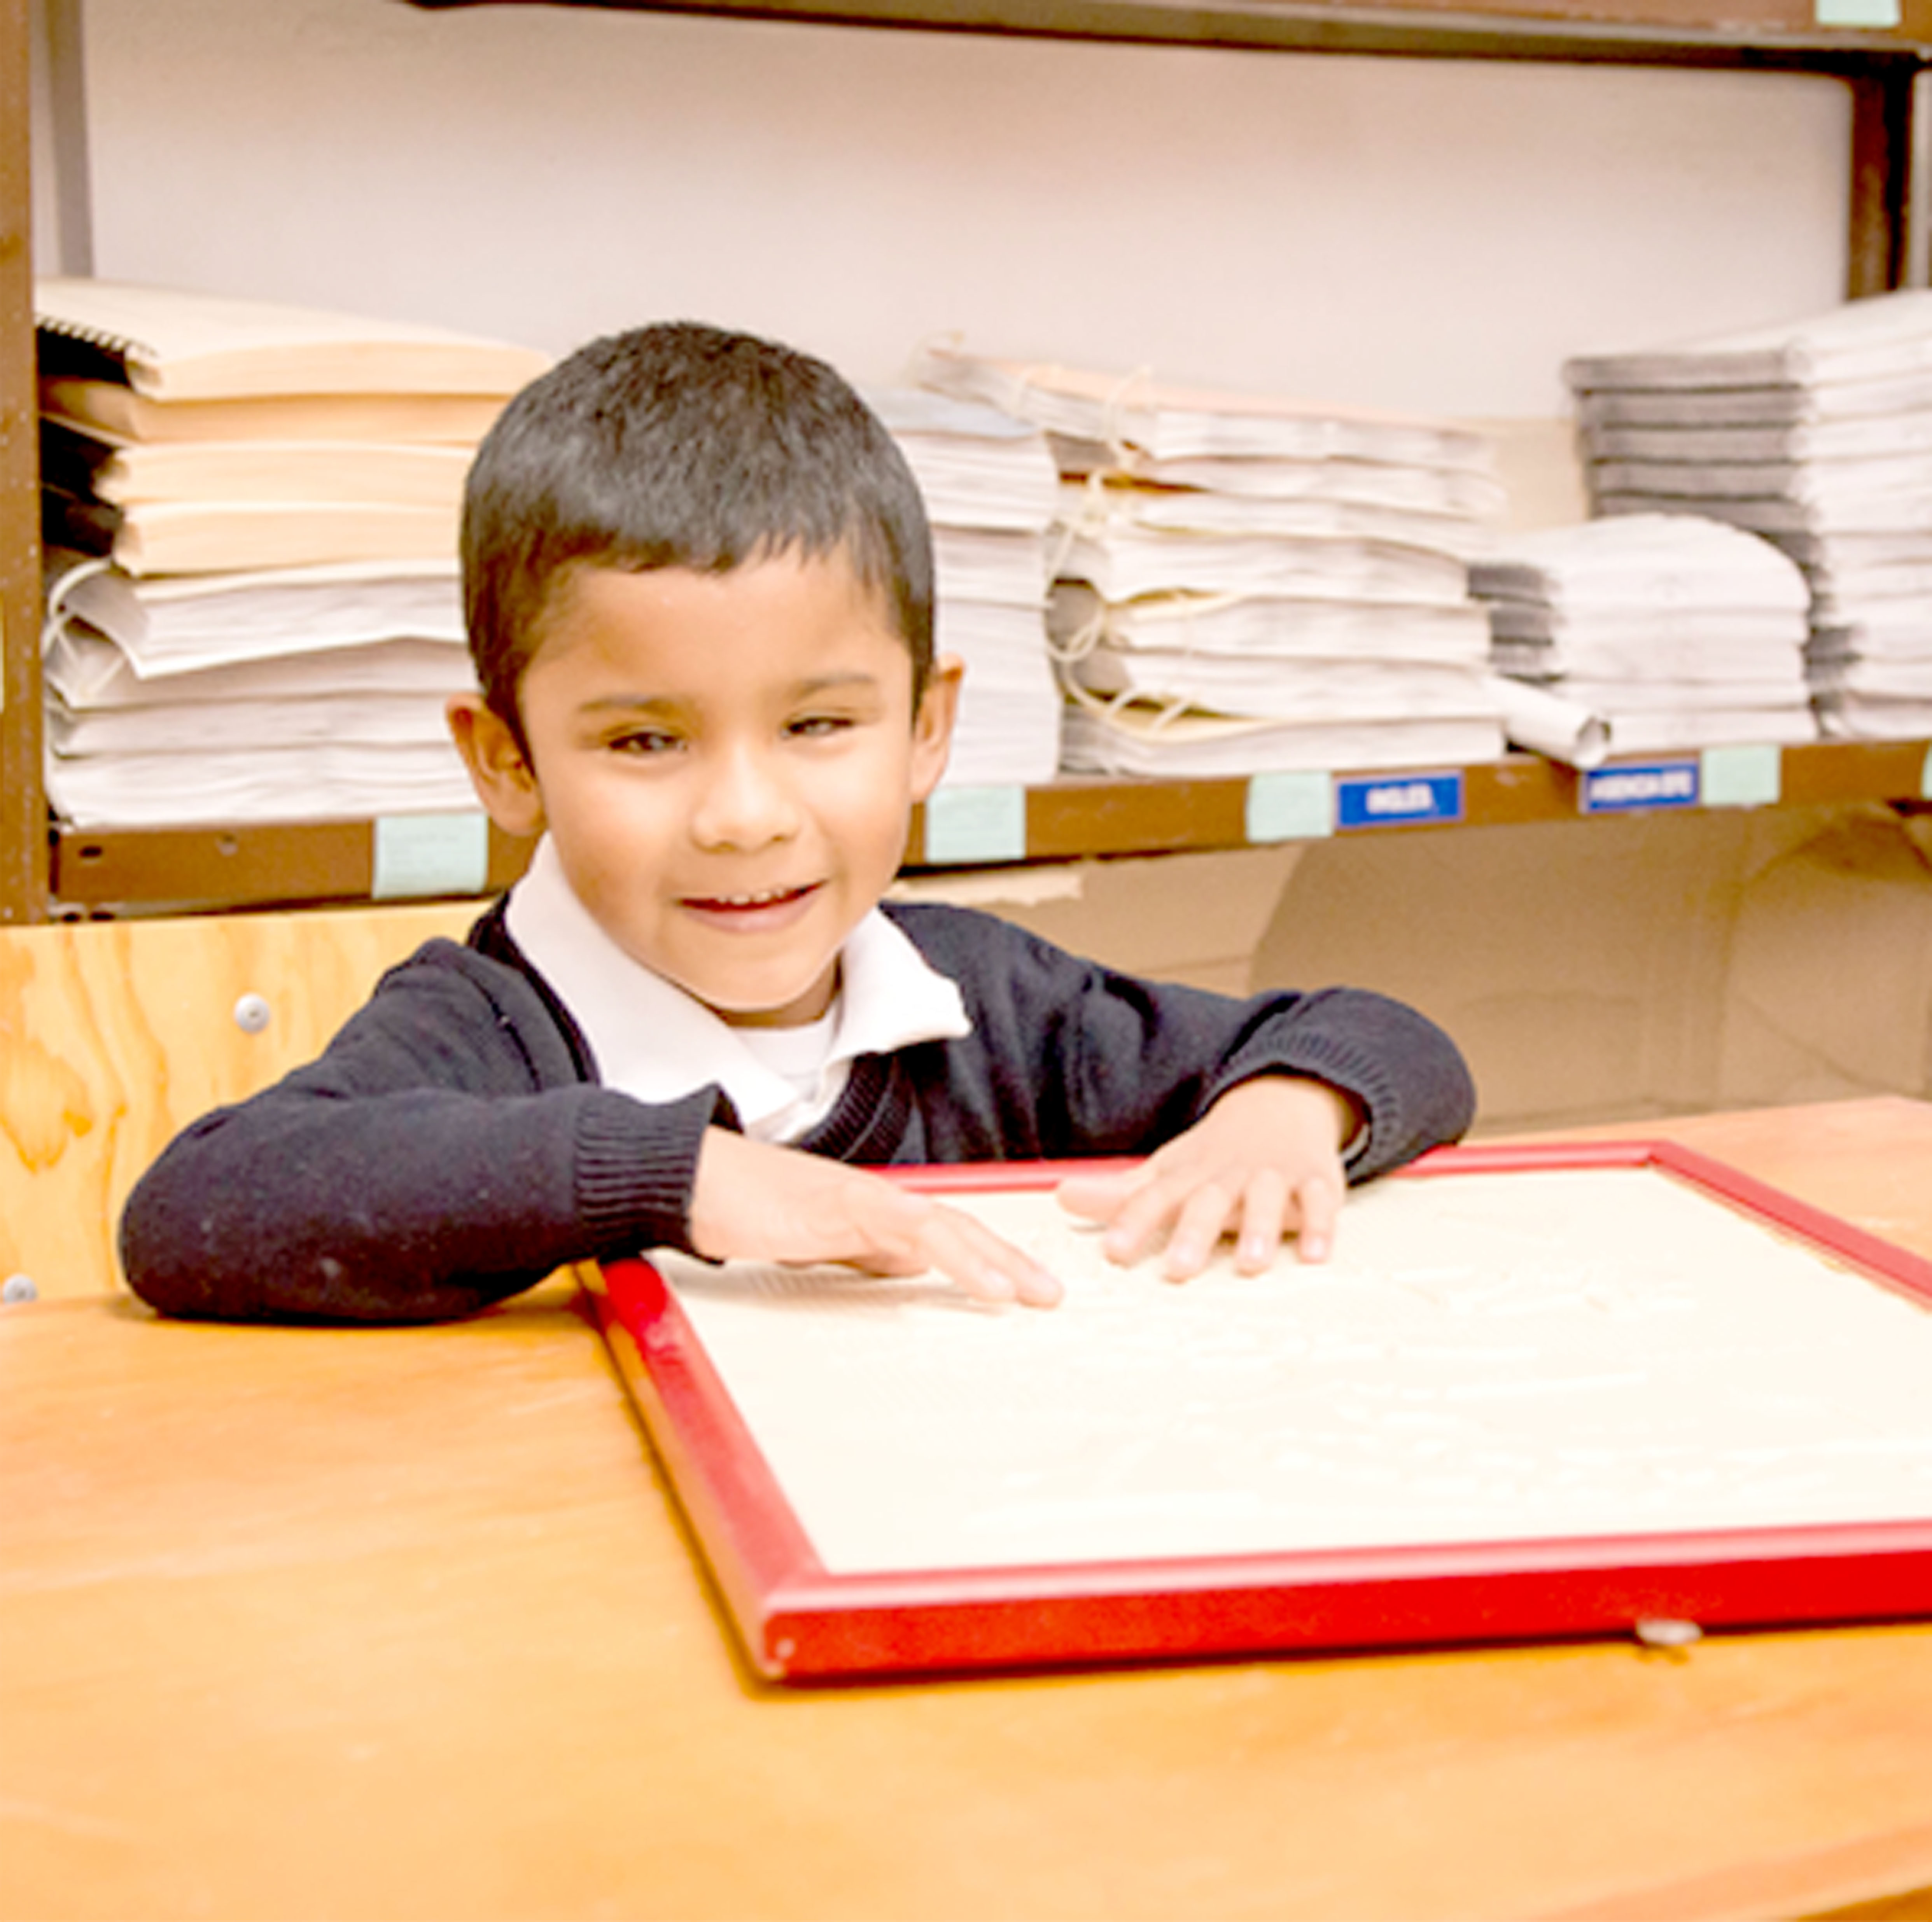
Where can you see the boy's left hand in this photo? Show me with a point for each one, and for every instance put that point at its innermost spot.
(1264, 1161)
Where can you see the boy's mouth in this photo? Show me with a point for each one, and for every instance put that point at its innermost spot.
(757, 904)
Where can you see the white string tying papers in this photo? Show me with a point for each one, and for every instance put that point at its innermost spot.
(59, 612)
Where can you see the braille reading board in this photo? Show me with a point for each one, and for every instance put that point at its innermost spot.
(1559, 1390)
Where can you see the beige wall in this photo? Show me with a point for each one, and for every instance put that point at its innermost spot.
(1426, 233)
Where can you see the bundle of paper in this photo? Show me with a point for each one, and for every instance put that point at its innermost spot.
(1240, 558)
(1143, 737)
(188, 701)
(229, 482)
(1817, 434)
(1675, 631)
(989, 485)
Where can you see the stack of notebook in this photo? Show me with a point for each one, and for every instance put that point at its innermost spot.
(250, 512)
(1243, 584)
(1667, 631)
(990, 488)
(1818, 435)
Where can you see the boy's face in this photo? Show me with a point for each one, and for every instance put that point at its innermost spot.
(726, 766)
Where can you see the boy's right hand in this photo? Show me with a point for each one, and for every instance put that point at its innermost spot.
(754, 1201)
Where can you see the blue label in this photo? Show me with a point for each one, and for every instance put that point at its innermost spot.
(1397, 800)
(1631, 787)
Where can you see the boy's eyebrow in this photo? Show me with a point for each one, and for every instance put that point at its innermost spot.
(803, 690)
(848, 677)
(628, 703)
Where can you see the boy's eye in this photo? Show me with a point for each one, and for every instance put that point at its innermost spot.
(644, 740)
(814, 726)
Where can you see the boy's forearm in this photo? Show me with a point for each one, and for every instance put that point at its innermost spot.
(411, 1207)
(1405, 1076)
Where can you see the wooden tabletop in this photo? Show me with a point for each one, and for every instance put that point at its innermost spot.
(401, 1623)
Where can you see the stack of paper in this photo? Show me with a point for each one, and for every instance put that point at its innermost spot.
(1245, 583)
(230, 483)
(990, 487)
(1667, 631)
(294, 693)
(1817, 434)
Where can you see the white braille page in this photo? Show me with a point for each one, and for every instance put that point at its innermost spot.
(1487, 1358)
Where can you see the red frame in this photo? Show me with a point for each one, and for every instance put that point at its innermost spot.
(799, 1623)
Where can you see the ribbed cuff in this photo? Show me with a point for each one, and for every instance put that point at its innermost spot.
(636, 1165)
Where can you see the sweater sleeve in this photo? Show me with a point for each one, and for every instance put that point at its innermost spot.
(443, 1153)
(1081, 1060)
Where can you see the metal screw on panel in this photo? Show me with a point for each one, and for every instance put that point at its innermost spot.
(252, 1014)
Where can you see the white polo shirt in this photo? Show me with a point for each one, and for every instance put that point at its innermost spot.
(651, 1039)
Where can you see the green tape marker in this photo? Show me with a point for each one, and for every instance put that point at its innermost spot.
(419, 855)
(1296, 805)
(975, 826)
(1859, 14)
(1742, 777)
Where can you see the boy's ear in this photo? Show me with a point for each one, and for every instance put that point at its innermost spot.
(499, 770)
(932, 725)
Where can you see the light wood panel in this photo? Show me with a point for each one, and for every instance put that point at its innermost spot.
(115, 1035)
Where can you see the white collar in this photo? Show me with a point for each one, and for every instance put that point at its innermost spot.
(652, 1040)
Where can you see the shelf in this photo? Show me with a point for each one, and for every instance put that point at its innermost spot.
(63, 871)
(1747, 33)
(132, 871)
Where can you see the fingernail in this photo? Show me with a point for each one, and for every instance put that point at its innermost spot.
(1044, 1290)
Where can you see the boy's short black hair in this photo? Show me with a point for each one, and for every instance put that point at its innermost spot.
(685, 446)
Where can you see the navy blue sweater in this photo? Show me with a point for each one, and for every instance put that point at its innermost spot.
(452, 1146)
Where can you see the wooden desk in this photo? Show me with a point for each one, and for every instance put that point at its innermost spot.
(399, 1624)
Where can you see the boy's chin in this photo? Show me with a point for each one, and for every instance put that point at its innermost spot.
(778, 1009)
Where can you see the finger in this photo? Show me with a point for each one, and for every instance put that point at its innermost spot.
(1317, 1208)
(1264, 1205)
(1098, 1197)
(985, 1266)
(1141, 1221)
(1197, 1229)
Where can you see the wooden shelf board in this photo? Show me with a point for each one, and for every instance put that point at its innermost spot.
(1731, 32)
(188, 870)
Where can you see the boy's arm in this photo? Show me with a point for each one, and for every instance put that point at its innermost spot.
(1252, 1112)
(1265, 1162)
(1069, 1058)
(1323, 1090)
(763, 1203)
(442, 1154)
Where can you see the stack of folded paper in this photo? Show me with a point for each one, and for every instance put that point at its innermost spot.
(1243, 584)
(990, 488)
(1669, 631)
(1817, 434)
(250, 512)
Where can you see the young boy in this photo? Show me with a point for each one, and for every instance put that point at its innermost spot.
(698, 582)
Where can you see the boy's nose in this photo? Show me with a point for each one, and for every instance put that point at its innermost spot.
(744, 803)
